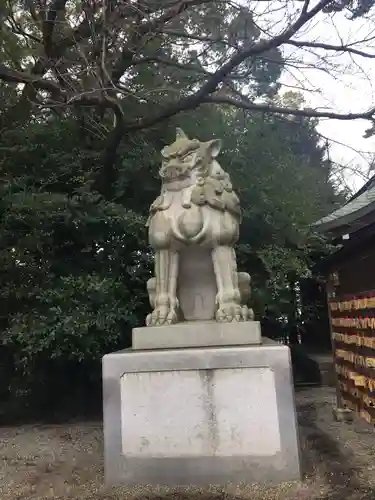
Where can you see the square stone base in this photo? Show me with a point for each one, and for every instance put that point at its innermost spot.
(203, 416)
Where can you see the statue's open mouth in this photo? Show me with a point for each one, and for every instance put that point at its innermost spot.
(171, 172)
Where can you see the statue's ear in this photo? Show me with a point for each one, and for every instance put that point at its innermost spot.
(214, 147)
(180, 134)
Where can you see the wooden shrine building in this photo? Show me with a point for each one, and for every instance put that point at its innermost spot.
(350, 273)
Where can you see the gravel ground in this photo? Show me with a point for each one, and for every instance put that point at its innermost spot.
(65, 462)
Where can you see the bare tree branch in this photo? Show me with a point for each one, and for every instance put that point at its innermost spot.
(35, 81)
(202, 95)
(259, 48)
(92, 59)
(193, 36)
(307, 112)
(326, 46)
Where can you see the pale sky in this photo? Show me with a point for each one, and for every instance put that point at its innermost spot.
(344, 83)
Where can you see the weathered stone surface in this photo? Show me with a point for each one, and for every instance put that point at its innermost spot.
(200, 416)
(193, 226)
(342, 414)
(197, 334)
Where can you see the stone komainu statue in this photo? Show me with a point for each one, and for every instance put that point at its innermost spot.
(193, 226)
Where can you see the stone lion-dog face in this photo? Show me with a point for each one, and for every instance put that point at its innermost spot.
(189, 158)
(197, 207)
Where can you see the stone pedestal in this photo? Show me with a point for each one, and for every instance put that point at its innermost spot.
(200, 416)
(197, 334)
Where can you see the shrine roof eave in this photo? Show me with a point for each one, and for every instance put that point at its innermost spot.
(349, 217)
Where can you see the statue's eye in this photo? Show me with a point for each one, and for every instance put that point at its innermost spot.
(189, 157)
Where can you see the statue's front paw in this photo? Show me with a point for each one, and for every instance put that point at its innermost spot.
(162, 316)
(158, 316)
(229, 312)
(233, 312)
(172, 317)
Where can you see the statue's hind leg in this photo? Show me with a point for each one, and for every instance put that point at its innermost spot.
(165, 302)
(244, 281)
(228, 296)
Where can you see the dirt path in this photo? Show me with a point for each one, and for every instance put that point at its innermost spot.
(62, 462)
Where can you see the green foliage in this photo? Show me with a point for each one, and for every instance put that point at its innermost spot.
(65, 324)
(65, 252)
(284, 185)
(58, 235)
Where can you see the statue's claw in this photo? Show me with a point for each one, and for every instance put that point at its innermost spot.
(232, 312)
(172, 317)
(161, 316)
